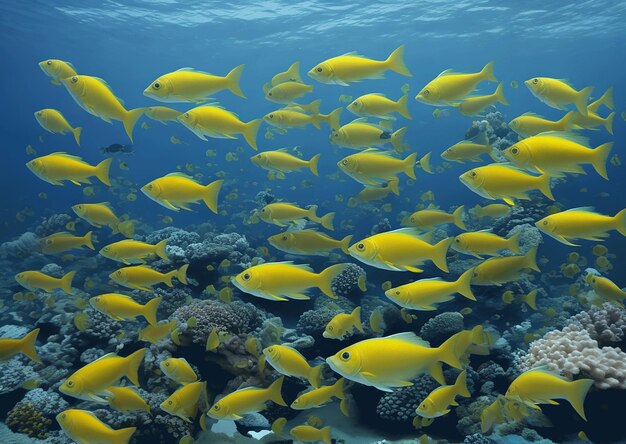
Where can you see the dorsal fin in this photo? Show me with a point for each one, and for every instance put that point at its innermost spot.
(68, 156)
(180, 174)
(447, 72)
(531, 114)
(567, 135)
(409, 336)
(586, 209)
(107, 356)
(352, 54)
(60, 233)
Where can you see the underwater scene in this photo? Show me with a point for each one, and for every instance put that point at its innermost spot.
(327, 222)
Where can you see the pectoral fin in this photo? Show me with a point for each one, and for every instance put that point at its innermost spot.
(413, 269)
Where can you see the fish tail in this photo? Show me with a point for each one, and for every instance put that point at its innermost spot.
(313, 164)
(312, 214)
(160, 250)
(332, 119)
(607, 98)
(544, 185)
(513, 242)
(499, 94)
(344, 406)
(397, 139)
(232, 80)
(345, 244)
(274, 392)
(608, 123)
(566, 122)
(338, 389)
(316, 118)
(150, 310)
(620, 222)
(77, 131)
(463, 284)
(395, 61)
(424, 163)
(127, 229)
(402, 107)
(130, 119)
(326, 278)
(576, 393)
(600, 156)
(167, 278)
(122, 436)
(487, 72)
(531, 259)
(581, 100)
(210, 194)
(181, 274)
(409, 165)
(66, 282)
(460, 386)
(102, 171)
(315, 376)
(87, 240)
(531, 299)
(393, 185)
(327, 221)
(440, 250)
(314, 106)
(27, 345)
(356, 319)
(325, 435)
(454, 347)
(133, 361)
(294, 72)
(250, 131)
(458, 218)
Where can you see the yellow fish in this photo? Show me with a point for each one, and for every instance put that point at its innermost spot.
(360, 134)
(372, 193)
(479, 243)
(58, 167)
(491, 210)
(126, 399)
(530, 299)
(400, 250)
(380, 107)
(214, 121)
(449, 87)
(156, 333)
(95, 96)
(437, 403)
(178, 370)
(296, 117)
(226, 295)
(530, 124)
(377, 322)
(282, 213)
(607, 289)
(53, 121)
(10, 347)
(474, 105)
(320, 396)
(287, 92)
(213, 340)
(142, 277)
(393, 361)
(64, 241)
(247, 400)
(283, 162)
(281, 281)
(90, 383)
(190, 85)
(98, 215)
(120, 307)
(162, 114)
(469, 150)
(184, 401)
(539, 386)
(558, 153)
(36, 280)
(499, 270)
(503, 181)
(309, 242)
(352, 67)
(343, 324)
(425, 294)
(291, 75)
(279, 425)
(492, 414)
(289, 362)
(557, 93)
(252, 346)
(177, 190)
(83, 426)
(307, 433)
(581, 223)
(130, 251)
(373, 167)
(428, 219)
(57, 70)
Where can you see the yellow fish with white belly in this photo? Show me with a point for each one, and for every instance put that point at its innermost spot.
(581, 223)
(308, 242)
(592, 119)
(469, 150)
(83, 426)
(427, 219)
(142, 277)
(607, 289)
(287, 92)
(58, 167)
(162, 114)
(64, 241)
(126, 399)
(437, 403)
(283, 162)
(308, 433)
(557, 93)
(343, 325)
(10, 347)
(289, 362)
(478, 243)
(190, 85)
(100, 214)
(184, 401)
(426, 294)
(530, 124)
(178, 370)
(291, 75)
(156, 333)
(371, 193)
(214, 121)
(318, 397)
(281, 281)
(120, 307)
(247, 400)
(352, 67)
(36, 280)
(400, 250)
(90, 382)
(95, 96)
(378, 106)
(360, 134)
(53, 121)
(57, 70)
(177, 190)
(499, 270)
(373, 167)
(295, 117)
(450, 87)
(129, 251)
(474, 105)
(283, 213)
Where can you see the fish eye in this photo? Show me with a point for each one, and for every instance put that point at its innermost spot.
(48, 241)
(156, 85)
(271, 116)
(186, 115)
(49, 62)
(105, 249)
(285, 238)
(335, 134)
(216, 407)
(167, 364)
(344, 162)
(269, 94)
(97, 299)
(345, 356)
(475, 274)
(39, 113)
(119, 272)
(545, 222)
(397, 292)
(246, 276)
(169, 402)
(593, 281)
(426, 93)
(70, 383)
(74, 79)
(319, 69)
(514, 150)
(361, 246)
(330, 328)
(63, 416)
(149, 187)
(473, 174)
(535, 81)
(263, 210)
(413, 220)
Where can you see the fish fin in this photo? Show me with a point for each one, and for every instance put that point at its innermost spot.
(167, 204)
(413, 269)
(250, 132)
(232, 79)
(576, 393)
(463, 284)
(312, 164)
(409, 165)
(395, 62)
(531, 259)
(274, 392)
(440, 250)
(509, 201)
(315, 377)
(123, 436)
(210, 194)
(581, 100)
(600, 156)
(397, 138)
(150, 310)
(55, 82)
(487, 72)
(297, 296)
(76, 132)
(133, 361)
(27, 345)
(66, 282)
(130, 119)
(326, 277)
(436, 371)
(458, 218)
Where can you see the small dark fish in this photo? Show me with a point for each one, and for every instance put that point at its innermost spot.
(116, 148)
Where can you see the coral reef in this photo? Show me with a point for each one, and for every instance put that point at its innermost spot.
(346, 283)
(606, 324)
(27, 419)
(442, 326)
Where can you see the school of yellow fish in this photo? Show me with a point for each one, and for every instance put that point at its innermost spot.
(546, 149)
